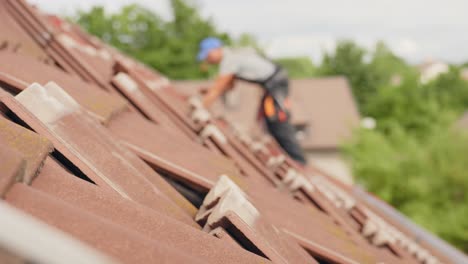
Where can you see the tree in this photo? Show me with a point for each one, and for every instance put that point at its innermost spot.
(348, 59)
(449, 90)
(184, 40)
(407, 106)
(417, 107)
(414, 159)
(424, 179)
(366, 71)
(387, 67)
(168, 46)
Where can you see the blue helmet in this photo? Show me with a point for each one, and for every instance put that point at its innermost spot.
(207, 45)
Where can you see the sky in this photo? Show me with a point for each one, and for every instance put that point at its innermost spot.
(417, 30)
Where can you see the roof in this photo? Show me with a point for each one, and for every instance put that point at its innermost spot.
(103, 159)
(325, 105)
(432, 69)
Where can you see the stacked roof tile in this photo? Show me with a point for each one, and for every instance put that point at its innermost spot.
(102, 162)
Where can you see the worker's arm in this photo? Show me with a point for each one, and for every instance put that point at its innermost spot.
(221, 84)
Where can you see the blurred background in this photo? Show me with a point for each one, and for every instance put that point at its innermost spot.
(380, 88)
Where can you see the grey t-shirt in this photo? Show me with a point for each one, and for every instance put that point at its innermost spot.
(246, 63)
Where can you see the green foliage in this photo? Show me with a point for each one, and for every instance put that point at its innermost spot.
(385, 65)
(408, 106)
(348, 60)
(449, 90)
(183, 41)
(168, 46)
(416, 107)
(414, 159)
(298, 67)
(366, 75)
(425, 179)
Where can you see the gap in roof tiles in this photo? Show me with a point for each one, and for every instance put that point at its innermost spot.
(320, 259)
(193, 196)
(8, 88)
(70, 167)
(64, 162)
(242, 240)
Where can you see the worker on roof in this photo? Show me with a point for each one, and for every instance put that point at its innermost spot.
(247, 65)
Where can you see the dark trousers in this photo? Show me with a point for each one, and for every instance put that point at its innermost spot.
(275, 110)
(285, 134)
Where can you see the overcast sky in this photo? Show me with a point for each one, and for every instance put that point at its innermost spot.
(415, 29)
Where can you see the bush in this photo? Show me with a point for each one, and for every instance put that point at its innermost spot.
(425, 179)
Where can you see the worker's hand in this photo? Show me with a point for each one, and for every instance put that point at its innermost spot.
(231, 84)
(219, 87)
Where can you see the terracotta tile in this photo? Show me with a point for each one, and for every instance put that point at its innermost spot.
(31, 146)
(17, 39)
(167, 151)
(228, 207)
(24, 239)
(91, 97)
(54, 181)
(12, 167)
(131, 90)
(117, 241)
(94, 151)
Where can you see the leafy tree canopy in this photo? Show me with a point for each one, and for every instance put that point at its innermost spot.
(168, 46)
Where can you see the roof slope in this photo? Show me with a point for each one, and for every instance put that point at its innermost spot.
(100, 153)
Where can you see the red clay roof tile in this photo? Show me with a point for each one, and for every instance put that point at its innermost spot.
(32, 147)
(12, 167)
